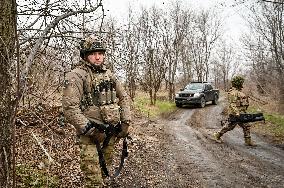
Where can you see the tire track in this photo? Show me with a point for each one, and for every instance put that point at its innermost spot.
(229, 164)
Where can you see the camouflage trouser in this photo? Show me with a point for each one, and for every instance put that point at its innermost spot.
(90, 161)
(230, 126)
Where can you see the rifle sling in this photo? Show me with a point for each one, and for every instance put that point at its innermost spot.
(109, 131)
(124, 154)
(100, 149)
(102, 160)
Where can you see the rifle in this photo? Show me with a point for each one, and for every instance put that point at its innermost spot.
(109, 130)
(244, 118)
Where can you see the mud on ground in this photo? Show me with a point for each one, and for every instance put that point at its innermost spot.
(177, 151)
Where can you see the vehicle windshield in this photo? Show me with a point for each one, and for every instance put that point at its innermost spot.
(194, 86)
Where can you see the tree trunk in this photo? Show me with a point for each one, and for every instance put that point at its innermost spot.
(7, 33)
(281, 94)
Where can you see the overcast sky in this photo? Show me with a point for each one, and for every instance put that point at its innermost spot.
(234, 23)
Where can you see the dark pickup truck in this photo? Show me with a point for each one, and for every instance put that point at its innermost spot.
(197, 93)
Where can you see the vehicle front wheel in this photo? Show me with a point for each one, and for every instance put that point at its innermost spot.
(178, 105)
(202, 102)
(215, 100)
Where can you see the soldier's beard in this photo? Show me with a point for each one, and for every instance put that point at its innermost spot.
(97, 66)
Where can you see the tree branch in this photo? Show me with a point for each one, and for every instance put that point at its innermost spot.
(276, 2)
(40, 41)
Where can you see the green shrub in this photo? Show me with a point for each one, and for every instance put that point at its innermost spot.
(278, 121)
(142, 104)
(165, 106)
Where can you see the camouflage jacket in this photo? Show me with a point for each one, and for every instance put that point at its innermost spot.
(238, 102)
(84, 99)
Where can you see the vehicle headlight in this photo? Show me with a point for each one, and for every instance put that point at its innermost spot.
(196, 95)
(177, 95)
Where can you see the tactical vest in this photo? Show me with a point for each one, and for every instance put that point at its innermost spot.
(240, 100)
(99, 90)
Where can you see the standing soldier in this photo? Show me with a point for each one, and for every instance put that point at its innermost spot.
(93, 96)
(238, 104)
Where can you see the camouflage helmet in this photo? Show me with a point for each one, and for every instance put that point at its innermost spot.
(91, 44)
(237, 82)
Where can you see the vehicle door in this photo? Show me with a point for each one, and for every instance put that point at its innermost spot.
(208, 92)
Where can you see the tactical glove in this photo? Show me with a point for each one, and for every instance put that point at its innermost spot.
(124, 130)
(92, 132)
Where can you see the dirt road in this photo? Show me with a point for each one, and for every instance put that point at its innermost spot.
(179, 152)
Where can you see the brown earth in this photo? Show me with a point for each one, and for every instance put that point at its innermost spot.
(176, 151)
(179, 152)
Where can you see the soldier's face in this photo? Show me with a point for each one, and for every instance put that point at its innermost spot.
(96, 58)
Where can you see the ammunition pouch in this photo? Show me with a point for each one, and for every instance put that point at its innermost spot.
(110, 113)
(105, 93)
(100, 94)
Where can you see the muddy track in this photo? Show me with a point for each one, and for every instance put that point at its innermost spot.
(230, 164)
(180, 152)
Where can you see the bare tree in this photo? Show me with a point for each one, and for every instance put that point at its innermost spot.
(202, 40)
(267, 45)
(53, 27)
(7, 47)
(153, 67)
(130, 54)
(174, 43)
(224, 65)
(35, 34)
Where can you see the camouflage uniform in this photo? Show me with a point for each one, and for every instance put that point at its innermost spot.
(238, 104)
(84, 100)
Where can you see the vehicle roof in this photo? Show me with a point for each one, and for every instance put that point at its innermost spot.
(200, 82)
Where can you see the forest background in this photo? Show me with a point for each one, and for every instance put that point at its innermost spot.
(157, 50)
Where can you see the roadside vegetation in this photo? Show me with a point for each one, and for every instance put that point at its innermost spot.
(273, 128)
(277, 127)
(163, 46)
(142, 103)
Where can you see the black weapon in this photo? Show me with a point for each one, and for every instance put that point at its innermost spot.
(244, 118)
(109, 130)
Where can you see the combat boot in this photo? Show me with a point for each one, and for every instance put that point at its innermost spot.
(248, 142)
(217, 137)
